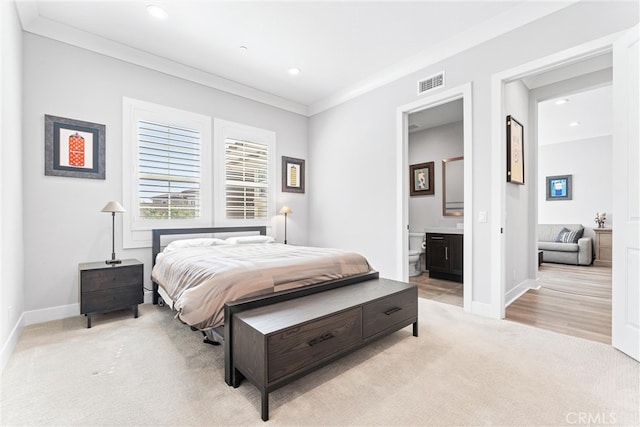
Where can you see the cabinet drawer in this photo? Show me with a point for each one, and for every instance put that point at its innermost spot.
(296, 348)
(99, 301)
(387, 312)
(109, 278)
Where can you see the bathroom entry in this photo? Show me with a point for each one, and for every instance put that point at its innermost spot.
(436, 147)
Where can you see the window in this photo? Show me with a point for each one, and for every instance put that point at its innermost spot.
(169, 171)
(166, 163)
(245, 174)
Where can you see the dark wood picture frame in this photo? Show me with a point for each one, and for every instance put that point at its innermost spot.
(421, 179)
(292, 175)
(74, 148)
(515, 151)
(559, 187)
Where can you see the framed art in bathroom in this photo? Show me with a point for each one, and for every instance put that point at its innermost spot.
(421, 181)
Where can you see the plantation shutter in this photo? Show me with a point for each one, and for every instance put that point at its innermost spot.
(246, 179)
(169, 177)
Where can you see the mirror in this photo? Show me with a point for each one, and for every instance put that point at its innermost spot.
(453, 186)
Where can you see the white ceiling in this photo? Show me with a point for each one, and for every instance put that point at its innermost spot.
(342, 48)
(591, 109)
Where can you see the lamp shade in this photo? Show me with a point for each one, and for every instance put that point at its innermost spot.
(285, 210)
(113, 207)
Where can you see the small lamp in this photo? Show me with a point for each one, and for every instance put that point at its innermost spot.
(286, 210)
(113, 207)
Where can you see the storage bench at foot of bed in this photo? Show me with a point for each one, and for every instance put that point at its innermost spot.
(276, 344)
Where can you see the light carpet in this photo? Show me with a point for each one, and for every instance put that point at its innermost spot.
(461, 370)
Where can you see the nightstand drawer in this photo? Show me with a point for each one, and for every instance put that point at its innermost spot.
(387, 312)
(110, 278)
(111, 300)
(304, 346)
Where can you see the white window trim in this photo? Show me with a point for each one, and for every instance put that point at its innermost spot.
(137, 232)
(223, 129)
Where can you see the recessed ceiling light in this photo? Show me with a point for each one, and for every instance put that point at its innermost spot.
(157, 12)
(294, 71)
(574, 124)
(561, 101)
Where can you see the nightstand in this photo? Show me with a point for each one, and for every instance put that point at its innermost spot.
(104, 287)
(603, 247)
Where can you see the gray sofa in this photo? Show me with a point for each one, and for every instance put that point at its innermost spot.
(579, 253)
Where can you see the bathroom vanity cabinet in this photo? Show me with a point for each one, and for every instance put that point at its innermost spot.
(444, 256)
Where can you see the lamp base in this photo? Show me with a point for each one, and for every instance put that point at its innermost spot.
(113, 261)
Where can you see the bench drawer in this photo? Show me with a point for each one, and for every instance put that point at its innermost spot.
(387, 312)
(306, 345)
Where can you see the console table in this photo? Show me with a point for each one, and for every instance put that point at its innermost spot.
(276, 344)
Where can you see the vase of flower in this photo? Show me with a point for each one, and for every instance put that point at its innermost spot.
(600, 219)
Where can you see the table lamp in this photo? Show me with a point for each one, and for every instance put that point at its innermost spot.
(113, 207)
(286, 210)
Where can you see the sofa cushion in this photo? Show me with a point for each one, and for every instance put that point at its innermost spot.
(557, 246)
(570, 236)
(549, 232)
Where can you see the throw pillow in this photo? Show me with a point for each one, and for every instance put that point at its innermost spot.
(561, 234)
(570, 236)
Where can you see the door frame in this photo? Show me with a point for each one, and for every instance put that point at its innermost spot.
(498, 152)
(402, 203)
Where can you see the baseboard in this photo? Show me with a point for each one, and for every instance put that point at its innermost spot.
(519, 290)
(10, 344)
(148, 297)
(53, 313)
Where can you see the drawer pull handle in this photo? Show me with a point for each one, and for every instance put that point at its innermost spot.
(437, 238)
(392, 310)
(321, 338)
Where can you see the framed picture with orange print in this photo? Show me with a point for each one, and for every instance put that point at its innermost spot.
(74, 148)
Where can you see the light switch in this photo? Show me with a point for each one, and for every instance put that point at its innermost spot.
(482, 216)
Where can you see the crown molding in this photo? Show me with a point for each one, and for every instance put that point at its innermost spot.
(511, 19)
(498, 25)
(33, 23)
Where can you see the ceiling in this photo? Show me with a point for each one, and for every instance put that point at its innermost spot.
(584, 115)
(341, 48)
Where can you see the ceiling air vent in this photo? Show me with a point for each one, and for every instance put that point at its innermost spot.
(430, 83)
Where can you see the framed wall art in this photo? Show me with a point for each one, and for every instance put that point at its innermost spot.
(73, 148)
(515, 151)
(421, 181)
(559, 187)
(292, 175)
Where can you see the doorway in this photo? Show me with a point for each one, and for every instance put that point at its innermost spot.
(625, 330)
(574, 141)
(436, 195)
(461, 93)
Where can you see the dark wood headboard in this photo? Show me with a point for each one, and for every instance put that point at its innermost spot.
(158, 233)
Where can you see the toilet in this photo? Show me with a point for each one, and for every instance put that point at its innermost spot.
(417, 247)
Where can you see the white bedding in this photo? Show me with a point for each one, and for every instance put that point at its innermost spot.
(200, 280)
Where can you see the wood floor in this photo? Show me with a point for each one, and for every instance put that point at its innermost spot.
(572, 300)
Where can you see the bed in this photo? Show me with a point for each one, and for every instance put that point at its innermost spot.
(208, 280)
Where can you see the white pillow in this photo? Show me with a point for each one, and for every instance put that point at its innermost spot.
(194, 243)
(250, 239)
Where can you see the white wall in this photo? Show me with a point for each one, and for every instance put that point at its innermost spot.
(63, 222)
(433, 145)
(11, 210)
(590, 163)
(353, 145)
(521, 215)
